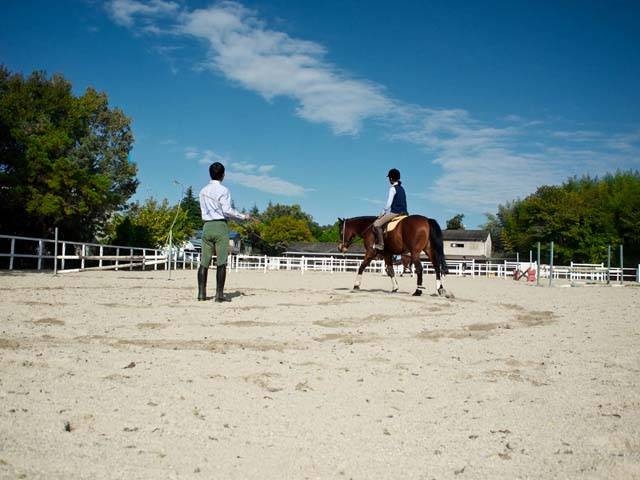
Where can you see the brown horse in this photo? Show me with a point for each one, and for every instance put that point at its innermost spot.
(414, 234)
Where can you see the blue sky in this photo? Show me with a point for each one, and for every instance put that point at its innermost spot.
(476, 103)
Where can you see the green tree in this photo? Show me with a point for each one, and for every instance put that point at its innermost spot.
(286, 229)
(582, 217)
(494, 226)
(329, 233)
(191, 206)
(64, 160)
(148, 225)
(455, 223)
(279, 210)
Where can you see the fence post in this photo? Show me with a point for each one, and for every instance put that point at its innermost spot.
(101, 255)
(621, 265)
(64, 252)
(55, 252)
(13, 251)
(608, 264)
(538, 267)
(40, 248)
(551, 263)
(117, 257)
(82, 253)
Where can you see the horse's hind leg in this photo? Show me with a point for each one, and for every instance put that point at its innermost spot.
(418, 269)
(435, 261)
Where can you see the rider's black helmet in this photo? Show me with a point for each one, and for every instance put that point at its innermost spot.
(394, 174)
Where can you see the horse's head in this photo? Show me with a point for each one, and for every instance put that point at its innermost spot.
(347, 235)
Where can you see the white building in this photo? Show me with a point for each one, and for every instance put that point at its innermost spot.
(467, 244)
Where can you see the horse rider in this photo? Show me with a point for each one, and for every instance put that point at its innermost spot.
(396, 206)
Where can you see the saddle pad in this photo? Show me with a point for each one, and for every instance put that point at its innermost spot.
(394, 223)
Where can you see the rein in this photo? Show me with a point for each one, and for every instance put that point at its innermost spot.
(344, 228)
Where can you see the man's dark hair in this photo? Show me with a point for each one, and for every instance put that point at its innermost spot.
(216, 171)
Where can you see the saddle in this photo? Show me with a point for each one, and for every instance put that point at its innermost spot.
(394, 223)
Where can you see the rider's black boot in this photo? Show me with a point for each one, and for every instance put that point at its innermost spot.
(379, 245)
(202, 283)
(221, 277)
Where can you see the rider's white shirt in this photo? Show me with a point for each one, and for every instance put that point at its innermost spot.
(392, 193)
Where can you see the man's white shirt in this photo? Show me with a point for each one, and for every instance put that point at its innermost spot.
(215, 203)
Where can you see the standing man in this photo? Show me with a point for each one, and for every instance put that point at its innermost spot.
(216, 207)
(396, 206)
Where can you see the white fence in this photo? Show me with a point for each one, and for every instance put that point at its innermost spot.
(25, 253)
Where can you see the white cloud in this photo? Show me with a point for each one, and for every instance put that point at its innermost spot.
(482, 164)
(205, 157)
(191, 153)
(273, 64)
(125, 12)
(266, 183)
(265, 61)
(248, 175)
(265, 168)
(243, 167)
(373, 201)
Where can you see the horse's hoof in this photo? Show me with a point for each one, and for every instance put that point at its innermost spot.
(394, 290)
(420, 287)
(356, 287)
(417, 293)
(442, 292)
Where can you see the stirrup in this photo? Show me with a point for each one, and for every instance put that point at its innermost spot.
(378, 247)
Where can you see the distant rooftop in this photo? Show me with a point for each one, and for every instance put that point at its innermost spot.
(465, 235)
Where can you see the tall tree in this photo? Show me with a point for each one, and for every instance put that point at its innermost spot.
(582, 217)
(148, 225)
(494, 226)
(455, 223)
(191, 206)
(280, 231)
(64, 160)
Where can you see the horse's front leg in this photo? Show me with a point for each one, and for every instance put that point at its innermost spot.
(365, 263)
(392, 274)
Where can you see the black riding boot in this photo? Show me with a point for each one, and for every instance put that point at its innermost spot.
(379, 238)
(202, 283)
(221, 276)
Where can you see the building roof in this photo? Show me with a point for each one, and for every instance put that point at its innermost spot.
(465, 235)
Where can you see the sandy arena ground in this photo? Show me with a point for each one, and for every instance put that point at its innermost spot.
(108, 375)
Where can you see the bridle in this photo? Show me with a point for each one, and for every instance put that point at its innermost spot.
(344, 228)
(346, 244)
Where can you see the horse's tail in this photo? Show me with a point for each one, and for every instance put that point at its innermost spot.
(435, 237)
